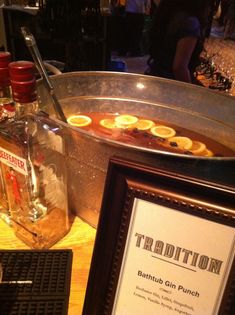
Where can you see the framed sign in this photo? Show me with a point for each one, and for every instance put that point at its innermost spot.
(165, 245)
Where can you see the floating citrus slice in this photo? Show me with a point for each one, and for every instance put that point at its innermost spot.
(143, 124)
(184, 143)
(198, 148)
(208, 153)
(108, 123)
(163, 131)
(125, 120)
(79, 120)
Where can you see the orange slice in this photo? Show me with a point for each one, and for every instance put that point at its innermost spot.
(143, 124)
(163, 131)
(108, 123)
(184, 143)
(198, 148)
(125, 120)
(79, 120)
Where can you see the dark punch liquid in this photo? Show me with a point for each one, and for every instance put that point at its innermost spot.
(144, 138)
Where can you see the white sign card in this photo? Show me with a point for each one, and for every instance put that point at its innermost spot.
(174, 263)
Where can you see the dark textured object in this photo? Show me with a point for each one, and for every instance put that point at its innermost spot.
(50, 273)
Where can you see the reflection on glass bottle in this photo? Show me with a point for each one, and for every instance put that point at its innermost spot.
(16, 189)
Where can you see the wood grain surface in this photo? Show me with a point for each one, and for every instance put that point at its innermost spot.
(81, 240)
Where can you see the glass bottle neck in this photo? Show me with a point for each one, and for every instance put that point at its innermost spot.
(23, 109)
(5, 95)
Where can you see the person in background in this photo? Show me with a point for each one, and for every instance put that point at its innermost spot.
(212, 12)
(117, 25)
(177, 37)
(135, 13)
(229, 20)
(223, 11)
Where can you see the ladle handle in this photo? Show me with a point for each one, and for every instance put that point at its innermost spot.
(33, 49)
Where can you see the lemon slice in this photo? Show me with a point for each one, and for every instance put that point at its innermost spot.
(143, 124)
(108, 123)
(207, 153)
(183, 143)
(125, 120)
(198, 147)
(163, 131)
(79, 120)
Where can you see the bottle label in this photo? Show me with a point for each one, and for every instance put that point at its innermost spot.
(10, 159)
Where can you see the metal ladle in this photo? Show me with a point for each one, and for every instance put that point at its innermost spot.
(33, 49)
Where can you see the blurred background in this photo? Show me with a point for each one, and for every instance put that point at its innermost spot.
(83, 35)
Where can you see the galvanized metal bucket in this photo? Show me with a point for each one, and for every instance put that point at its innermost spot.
(195, 108)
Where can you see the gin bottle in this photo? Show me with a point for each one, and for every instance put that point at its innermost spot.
(7, 111)
(33, 165)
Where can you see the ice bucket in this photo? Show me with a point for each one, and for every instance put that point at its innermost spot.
(193, 107)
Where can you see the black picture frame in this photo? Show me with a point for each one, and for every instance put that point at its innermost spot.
(194, 199)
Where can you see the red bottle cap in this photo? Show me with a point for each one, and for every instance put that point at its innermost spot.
(21, 71)
(23, 81)
(5, 59)
(24, 92)
(4, 77)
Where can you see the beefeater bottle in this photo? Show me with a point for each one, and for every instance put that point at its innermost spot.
(7, 111)
(33, 164)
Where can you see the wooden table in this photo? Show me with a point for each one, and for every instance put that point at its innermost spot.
(81, 240)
